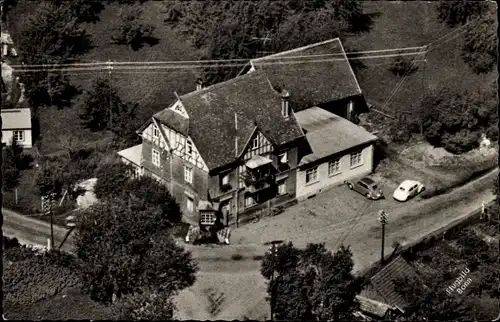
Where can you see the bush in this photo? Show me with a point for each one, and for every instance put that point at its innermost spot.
(9, 243)
(111, 179)
(402, 66)
(132, 30)
(492, 133)
(37, 277)
(462, 141)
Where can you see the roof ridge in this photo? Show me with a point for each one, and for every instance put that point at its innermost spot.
(221, 84)
(299, 49)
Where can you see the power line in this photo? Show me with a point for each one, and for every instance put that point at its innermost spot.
(102, 63)
(118, 66)
(439, 42)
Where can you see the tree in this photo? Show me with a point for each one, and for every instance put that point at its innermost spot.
(132, 31)
(455, 120)
(479, 50)
(48, 182)
(236, 29)
(103, 110)
(51, 35)
(82, 10)
(111, 179)
(114, 181)
(123, 251)
(402, 66)
(14, 161)
(325, 280)
(455, 13)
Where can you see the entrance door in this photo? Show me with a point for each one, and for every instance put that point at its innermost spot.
(226, 211)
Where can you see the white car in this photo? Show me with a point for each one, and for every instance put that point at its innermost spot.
(408, 189)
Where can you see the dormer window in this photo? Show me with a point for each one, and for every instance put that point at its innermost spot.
(255, 143)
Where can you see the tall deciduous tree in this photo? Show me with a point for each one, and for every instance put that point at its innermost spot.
(312, 283)
(51, 35)
(238, 29)
(122, 251)
(480, 47)
(458, 12)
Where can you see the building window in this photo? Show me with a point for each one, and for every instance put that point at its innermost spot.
(207, 218)
(189, 148)
(138, 172)
(283, 157)
(156, 132)
(189, 204)
(225, 179)
(350, 110)
(356, 159)
(156, 157)
(334, 167)
(281, 187)
(312, 175)
(19, 136)
(188, 174)
(255, 143)
(249, 201)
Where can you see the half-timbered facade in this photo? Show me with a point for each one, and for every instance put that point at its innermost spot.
(236, 147)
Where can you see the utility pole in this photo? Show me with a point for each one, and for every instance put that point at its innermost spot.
(424, 91)
(383, 220)
(273, 250)
(49, 211)
(110, 67)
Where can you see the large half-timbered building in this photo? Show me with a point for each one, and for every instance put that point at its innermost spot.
(237, 147)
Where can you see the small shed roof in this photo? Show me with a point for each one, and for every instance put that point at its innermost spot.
(16, 118)
(133, 154)
(383, 281)
(328, 133)
(373, 307)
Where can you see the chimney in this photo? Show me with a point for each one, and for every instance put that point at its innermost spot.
(199, 84)
(285, 109)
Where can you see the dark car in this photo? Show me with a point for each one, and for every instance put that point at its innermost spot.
(365, 186)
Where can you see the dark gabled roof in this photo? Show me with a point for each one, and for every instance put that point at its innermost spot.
(212, 117)
(323, 77)
(173, 120)
(383, 281)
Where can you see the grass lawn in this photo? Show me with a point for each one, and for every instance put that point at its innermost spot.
(410, 24)
(152, 89)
